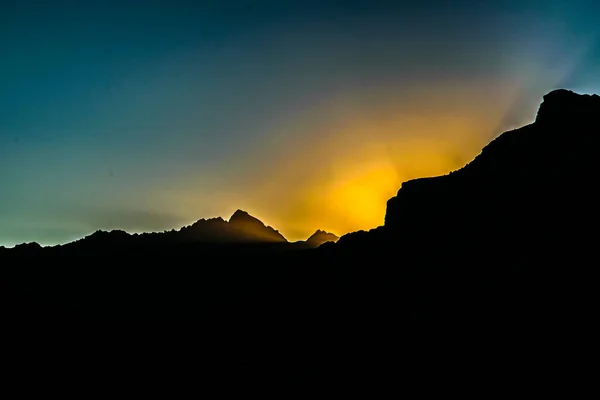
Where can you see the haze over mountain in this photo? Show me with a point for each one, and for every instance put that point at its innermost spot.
(320, 237)
(241, 228)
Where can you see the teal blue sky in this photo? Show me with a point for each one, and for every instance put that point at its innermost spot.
(147, 116)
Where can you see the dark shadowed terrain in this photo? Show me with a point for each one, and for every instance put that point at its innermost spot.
(493, 264)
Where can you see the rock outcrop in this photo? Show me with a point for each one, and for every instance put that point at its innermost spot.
(528, 186)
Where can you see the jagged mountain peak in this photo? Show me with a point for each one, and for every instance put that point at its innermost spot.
(252, 226)
(243, 216)
(320, 237)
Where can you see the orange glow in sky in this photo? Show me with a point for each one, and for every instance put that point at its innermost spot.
(340, 162)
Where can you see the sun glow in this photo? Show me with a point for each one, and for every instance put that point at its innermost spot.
(335, 166)
(358, 199)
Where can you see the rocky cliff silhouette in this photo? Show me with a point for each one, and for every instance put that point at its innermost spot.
(528, 189)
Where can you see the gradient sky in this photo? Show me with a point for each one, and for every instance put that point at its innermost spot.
(148, 115)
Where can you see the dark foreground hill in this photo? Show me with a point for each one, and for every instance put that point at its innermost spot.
(471, 266)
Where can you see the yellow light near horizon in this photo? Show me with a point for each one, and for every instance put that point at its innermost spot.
(359, 199)
(337, 173)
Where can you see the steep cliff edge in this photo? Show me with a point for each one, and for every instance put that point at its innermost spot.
(529, 184)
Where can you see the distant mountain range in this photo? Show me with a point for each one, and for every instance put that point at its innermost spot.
(242, 228)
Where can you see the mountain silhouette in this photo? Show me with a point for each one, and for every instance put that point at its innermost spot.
(483, 265)
(320, 237)
(253, 227)
(241, 228)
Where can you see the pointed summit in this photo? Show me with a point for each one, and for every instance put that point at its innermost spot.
(320, 237)
(240, 216)
(254, 228)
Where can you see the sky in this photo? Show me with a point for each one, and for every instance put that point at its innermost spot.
(149, 115)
